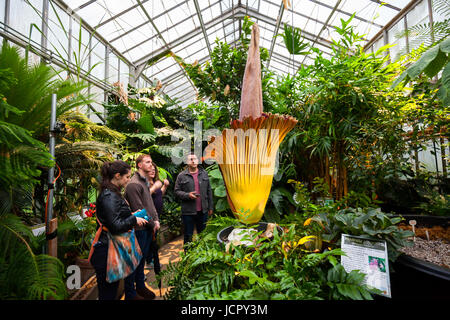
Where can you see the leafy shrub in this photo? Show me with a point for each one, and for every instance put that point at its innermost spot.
(369, 222)
(278, 269)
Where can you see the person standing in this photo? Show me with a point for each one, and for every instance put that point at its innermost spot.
(138, 196)
(115, 215)
(193, 188)
(157, 190)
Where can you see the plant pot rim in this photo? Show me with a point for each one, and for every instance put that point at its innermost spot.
(424, 266)
(443, 221)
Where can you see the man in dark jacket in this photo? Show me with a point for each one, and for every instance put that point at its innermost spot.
(138, 195)
(194, 190)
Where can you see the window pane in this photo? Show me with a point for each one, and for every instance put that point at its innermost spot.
(98, 59)
(23, 16)
(58, 28)
(113, 68)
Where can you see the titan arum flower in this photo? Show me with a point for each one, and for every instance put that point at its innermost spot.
(246, 153)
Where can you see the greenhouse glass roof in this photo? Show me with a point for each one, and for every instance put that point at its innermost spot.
(142, 29)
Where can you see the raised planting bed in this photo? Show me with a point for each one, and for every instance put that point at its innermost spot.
(423, 271)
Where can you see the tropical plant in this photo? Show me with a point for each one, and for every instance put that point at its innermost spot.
(218, 188)
(32, 92)
(22, 158)
(370, 222)
(282, 268)
(347, 115)
(77, 65)
(80, 152)
(172, 217)
(432, 62)
(25, 275)
(293, 40)
(425, 35)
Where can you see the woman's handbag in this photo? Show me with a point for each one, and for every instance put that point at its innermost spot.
(124, 254)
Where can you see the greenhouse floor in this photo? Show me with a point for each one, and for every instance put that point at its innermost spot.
(170, 252)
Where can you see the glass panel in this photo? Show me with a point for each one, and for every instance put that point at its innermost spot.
(417, 16)
(2, 10)
(400, 43)
(398, 3)
(378, 44)
(124, 73)
(58, 38)
(113, 68)
(98, 96)
(102, 10)
(98, 59)
(23, 16)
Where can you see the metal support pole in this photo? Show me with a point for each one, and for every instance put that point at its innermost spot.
(44, 26)
(50, 227)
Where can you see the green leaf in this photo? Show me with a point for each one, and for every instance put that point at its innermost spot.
(428, 57)
(220, 191)
(145, 123)
(445, 46)
(221, 205)
(403, 77)
(277, 199)
(436, 65)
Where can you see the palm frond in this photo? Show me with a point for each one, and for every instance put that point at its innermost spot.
(33, 90)
(293, 40)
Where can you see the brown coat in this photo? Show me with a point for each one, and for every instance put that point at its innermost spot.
(138, 196)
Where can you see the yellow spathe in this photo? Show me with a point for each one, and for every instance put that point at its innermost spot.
(246, 154)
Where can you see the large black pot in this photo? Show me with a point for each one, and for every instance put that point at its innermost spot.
(222, 235)
(412, 278)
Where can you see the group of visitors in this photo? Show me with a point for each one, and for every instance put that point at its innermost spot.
(144, 190)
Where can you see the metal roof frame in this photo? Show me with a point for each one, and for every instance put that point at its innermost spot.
(235, 12)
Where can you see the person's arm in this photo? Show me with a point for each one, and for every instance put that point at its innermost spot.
(109, 215)
(180, 193)
(133, 194)
(164, 187)
(157, 185)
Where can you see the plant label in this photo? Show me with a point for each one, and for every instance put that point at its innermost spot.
(369, 256)
(412, 223)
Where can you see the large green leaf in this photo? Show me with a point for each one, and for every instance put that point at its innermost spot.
(444, 91)
(292, 38)
(221, 205)
(220, 191)
(417, 68)
(436, 65)
(445, 46)
(145, 123)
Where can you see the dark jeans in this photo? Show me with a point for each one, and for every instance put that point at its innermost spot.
(106, 290)
(153, 255)
(144, 238)
(189, 222)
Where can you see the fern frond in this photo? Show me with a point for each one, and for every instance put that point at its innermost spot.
(25, 275)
